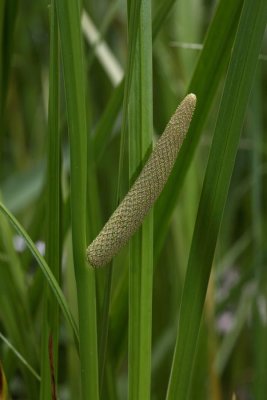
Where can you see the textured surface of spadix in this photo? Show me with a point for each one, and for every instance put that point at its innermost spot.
(131, 212)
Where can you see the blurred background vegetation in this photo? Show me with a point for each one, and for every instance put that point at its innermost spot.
(231, 357)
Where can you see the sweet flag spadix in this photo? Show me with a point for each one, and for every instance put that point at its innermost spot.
(132, 210)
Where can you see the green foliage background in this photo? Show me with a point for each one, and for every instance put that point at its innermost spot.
(181, 312)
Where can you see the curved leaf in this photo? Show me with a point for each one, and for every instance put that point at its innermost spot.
(45, 269)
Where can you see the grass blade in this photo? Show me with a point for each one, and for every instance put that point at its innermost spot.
(45, 269)
(141, 245)
(20, 357)
(113, 107)
(15, 307)
(74, 78)
(215, 188)
(53, 241)
(207, 66)
(204, 84)
(133, 26)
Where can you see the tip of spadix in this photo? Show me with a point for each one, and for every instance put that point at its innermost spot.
(191, 97)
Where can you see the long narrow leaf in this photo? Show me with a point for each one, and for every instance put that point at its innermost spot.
(110, 114)
(215, 188)
(68, 13)
(204, 84)
(141, 245)
(50, 330)
(45, 269)
(20, 357)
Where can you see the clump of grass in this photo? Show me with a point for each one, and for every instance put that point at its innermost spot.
(78, 115)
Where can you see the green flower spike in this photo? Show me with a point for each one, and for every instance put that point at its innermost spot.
(131, 212)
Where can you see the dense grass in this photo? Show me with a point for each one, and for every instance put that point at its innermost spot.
(180, 313)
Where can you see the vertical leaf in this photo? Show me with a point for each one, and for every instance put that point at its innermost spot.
(204, 83)
(141, 245)
(215, 188)
(53, 242)
(74, 78)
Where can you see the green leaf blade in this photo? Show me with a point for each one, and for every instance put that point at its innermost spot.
(237, 88)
